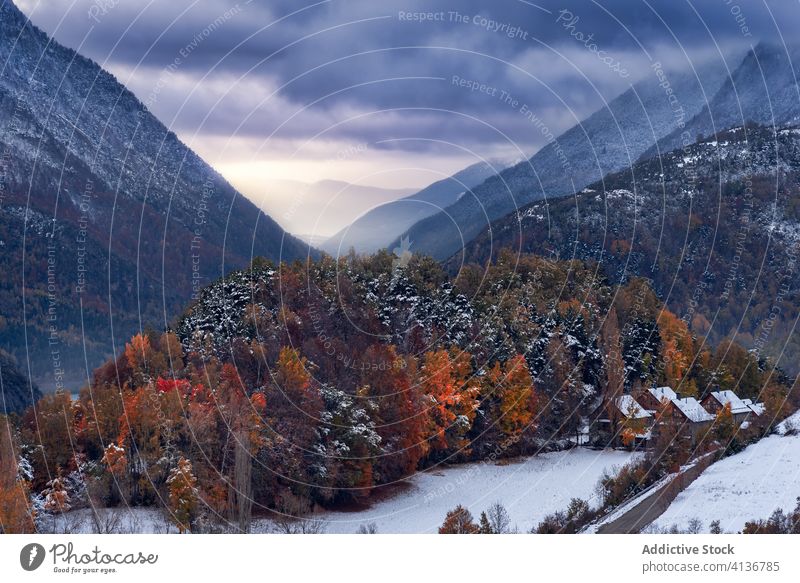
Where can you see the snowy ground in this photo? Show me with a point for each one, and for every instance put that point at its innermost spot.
(529, 489)
(749, 485)
(112, 521)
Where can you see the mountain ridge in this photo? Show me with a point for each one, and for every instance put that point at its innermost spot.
(128, 220)
(609, 140)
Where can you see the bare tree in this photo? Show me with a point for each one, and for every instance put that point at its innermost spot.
(499, 520)
(695, 526)
(104, 520)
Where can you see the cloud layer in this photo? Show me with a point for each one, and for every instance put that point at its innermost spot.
(414, 83)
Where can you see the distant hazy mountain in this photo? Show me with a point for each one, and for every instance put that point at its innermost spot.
(107, 221)
(382, 225)
(762, 89)
(609, 140)
(322, 208)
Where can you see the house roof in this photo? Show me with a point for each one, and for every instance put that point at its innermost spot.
(757, 408)
(692, 409)
(662, 393)
(726, 397)
(629, 407)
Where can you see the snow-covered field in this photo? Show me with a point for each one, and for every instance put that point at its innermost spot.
(529, 489)
(749, 485)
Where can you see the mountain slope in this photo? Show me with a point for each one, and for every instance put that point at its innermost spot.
(382, 225)
(107, 221)
(609, 140)
(715, 226)
(17, 393)
(763, 89)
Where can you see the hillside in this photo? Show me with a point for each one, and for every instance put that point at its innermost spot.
(714, 226)
(379, 227)
(17, 393)
(108, 222)
(609, 140)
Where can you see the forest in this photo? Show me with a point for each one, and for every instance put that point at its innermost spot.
(285, 389)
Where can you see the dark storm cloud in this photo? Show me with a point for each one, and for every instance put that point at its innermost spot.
(358, 57)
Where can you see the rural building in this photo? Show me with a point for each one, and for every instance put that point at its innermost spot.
(653, 398)
(689, 412)
(714, 403)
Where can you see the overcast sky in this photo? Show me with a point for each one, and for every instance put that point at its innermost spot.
(364, 91)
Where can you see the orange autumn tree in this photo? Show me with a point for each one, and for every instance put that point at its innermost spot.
(15, 514)
(150, 423)
(452, 401)
(294, 407)
(677, 352)
(512, 384)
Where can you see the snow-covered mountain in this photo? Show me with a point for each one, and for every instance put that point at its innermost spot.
(610, 139)
(763, 89)
(380, 226)
(108, 221)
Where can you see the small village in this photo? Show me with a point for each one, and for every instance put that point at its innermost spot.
(633, 420)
